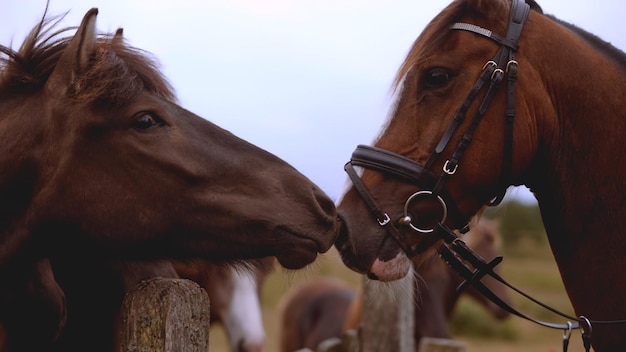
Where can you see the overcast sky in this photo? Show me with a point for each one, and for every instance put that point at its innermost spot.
(307, 80)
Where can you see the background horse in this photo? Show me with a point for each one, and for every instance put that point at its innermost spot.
(100, 165)
(234, 294)
(558, 111)
(323, 308)
(313, 312)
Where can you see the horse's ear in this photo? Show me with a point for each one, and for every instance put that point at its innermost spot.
(488, 6)
(118, 37)
(534, 6)
(77, 55)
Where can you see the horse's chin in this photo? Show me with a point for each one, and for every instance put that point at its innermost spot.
(300, 253)
(390, 270)
(297, 259)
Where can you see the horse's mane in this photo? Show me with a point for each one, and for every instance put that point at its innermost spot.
(118, 71)
(436, 32)
(599, 44)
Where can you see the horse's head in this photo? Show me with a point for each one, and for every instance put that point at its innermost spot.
(448, 148)
(96, 152)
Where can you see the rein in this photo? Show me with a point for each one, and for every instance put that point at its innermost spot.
(454, 251)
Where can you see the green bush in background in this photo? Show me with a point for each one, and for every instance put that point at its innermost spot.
(520, 223)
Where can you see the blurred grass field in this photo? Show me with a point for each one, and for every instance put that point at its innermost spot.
(528, 264)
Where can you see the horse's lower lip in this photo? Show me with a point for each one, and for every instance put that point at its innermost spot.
(300, 256)
(301, 252)
(390, 270)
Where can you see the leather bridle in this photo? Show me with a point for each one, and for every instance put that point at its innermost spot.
(503, 65)
(454, 251)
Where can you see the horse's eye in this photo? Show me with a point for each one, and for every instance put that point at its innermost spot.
(436, 78)
(145, 120)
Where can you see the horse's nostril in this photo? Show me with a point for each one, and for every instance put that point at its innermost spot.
(325, 203)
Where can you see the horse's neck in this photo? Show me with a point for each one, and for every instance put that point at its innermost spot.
(579, 173)
(580, 166)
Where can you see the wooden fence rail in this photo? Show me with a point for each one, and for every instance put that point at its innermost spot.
(165, 315)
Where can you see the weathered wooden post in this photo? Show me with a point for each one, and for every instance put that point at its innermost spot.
(165, 315)
(387, 316)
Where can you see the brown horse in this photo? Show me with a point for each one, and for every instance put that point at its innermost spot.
(101, 165)
(313, 312)
(457, 138)
(324, 308)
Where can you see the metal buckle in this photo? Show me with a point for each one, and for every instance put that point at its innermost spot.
(406, 219)
(446, 168)
(385, 221)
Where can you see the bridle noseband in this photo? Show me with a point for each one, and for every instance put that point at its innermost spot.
(503, 65)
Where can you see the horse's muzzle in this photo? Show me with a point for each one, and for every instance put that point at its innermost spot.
(383, 261)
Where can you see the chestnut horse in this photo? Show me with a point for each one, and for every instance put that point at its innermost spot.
(323, 308)
(457, 138)
(100, 164)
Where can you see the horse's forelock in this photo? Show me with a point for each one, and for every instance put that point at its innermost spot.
(118, 71)
(27, 69)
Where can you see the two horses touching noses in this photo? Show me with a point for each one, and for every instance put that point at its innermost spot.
(101, 166)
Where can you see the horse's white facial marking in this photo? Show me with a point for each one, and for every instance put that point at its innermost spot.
(243, 320)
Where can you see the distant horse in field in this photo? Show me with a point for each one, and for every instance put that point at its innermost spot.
(324, 308)
(313, 312)
(494, 93)
(100, 165)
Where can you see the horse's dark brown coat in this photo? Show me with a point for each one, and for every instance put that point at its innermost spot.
(100, 165)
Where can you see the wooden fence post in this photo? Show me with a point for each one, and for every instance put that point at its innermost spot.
(165, 315)
(387, 319)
